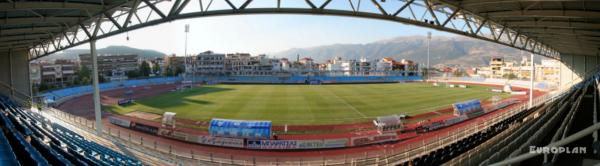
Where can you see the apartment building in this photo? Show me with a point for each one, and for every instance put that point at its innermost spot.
(112, 67)
(59, 73)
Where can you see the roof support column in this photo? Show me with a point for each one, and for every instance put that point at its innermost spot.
(532, 77)
(560, 82)
(97, 110)
(10, 73)
(595, 117)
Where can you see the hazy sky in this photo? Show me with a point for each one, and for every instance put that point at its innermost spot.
(265, 33)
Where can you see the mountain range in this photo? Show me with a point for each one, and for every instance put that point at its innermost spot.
(74, 53)
(447, 50)
(454, 50)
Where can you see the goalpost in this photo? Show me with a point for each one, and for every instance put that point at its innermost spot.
(185, 85)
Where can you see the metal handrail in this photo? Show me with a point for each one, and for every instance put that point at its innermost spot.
(562, 142)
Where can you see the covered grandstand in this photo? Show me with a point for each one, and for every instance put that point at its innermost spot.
(565, 30)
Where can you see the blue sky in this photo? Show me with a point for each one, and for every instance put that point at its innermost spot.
(264, 33)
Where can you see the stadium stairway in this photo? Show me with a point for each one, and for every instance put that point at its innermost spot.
(27, 138)
(580, 117)
(567, 114)
(447, 153)
(512, 135)
(501, 144)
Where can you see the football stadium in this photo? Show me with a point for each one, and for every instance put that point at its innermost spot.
(209, 108)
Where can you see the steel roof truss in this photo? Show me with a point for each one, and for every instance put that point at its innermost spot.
(445, 17)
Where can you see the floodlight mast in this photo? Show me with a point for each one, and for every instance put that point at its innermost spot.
(187, 59)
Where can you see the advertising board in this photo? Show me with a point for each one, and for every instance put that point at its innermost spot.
(216, 141)
(119, 122)
(271, 144)
(321, 144)
(123, 102)
(297, 144)
(144, 128)
(373, 139)
(240, 129)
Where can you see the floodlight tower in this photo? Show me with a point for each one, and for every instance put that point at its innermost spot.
(187, 60)
(428, 44)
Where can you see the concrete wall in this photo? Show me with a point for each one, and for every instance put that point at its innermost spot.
(590, 63)
(14, 74)
(5, 74)
(576, 68)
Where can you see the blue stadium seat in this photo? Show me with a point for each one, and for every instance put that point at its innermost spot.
(7, 156)
(52, 156)
(15, 150)
(425, 159)
(25, 153)
(417, 161)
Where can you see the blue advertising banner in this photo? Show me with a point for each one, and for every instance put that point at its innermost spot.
(240, 128)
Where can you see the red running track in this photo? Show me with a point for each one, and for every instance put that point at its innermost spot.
(409, 139)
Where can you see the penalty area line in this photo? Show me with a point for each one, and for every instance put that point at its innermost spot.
(348, 104)
(356, 110)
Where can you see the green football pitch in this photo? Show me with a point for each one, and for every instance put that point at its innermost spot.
(305, 104)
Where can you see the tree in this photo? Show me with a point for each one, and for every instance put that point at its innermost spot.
(101, 79)
(85, 81)
(133, 74)
(156, 69)
(145, 69)
(169, 72)
(510, 76)
(84, 75)
(43, 86)
(179, 70)
(459, 73)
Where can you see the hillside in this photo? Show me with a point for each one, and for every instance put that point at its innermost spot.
(457, 50)
(74, 53)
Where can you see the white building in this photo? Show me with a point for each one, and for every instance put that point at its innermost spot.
(210, 63)
(548, 70)
(383, 65)
(348, 67)
(35, 73)
(335, 64)
(285, 64)
(307, 64)
(276, 65)
(59, 73)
